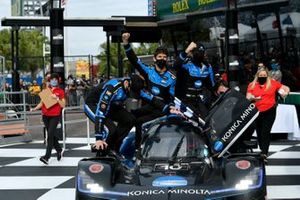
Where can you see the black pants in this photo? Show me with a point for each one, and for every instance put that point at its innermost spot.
(144, 114)
(264, 123)
(197, 106)
(52, 140)
(125, 120)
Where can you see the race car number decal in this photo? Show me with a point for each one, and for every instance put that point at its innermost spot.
(96, 168)
(243, 164)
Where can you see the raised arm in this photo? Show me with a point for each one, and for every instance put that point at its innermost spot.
(183, 56)
(133, 59)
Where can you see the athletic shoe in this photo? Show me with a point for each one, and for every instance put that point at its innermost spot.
(44, 160)
(59, 155)
(265, 158)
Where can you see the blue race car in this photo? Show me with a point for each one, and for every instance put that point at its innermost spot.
(180, 160)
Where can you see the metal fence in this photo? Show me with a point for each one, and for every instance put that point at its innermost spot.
(28, 100)
(13, 105)
(12, 114)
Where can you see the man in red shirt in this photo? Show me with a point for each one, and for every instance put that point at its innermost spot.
(262, 91)
(51, 117)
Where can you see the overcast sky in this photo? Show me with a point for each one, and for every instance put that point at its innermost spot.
(84, 41)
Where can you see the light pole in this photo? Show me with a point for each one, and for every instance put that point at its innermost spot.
(3, 70)
(57, 39)
(232, 43)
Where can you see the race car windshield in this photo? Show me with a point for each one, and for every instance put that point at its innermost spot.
(171, 141)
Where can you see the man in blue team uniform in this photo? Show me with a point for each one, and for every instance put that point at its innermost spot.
(104, 106)
(160, 82)
(195, 79)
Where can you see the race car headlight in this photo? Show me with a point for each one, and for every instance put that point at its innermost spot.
(253, 180)
(95, 188)
(87, 184)
(244, 184)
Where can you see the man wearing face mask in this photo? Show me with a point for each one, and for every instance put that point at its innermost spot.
(51, 117)
(195, 79)
(159, 81)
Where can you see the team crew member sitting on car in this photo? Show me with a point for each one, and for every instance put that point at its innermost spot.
(195, 78)
(160, 82)
(262, 91)
(104, 105)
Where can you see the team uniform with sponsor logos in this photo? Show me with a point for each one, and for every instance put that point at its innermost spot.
(104, 104)
(161, 86)
(194, 84)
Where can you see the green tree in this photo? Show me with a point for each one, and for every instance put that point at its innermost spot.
(146, 48)
(113, 59)
(30, 49)
(5, 49)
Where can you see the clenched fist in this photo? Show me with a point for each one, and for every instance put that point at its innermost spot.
(191, 46)
(125, 38)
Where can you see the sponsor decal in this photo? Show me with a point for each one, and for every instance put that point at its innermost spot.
(165, 78)
(58, 37)
(155, 90)
(237, 123)
(169, 181)
(243, 164)
(180, 6)
(218, 146)
(59, 64)
(96, 168)
(169, 191)
(198, 84)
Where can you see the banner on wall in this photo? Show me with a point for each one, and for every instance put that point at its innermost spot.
(171, 8)
(82, 68)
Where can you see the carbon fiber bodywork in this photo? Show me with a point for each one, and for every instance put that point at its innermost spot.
(179, 160)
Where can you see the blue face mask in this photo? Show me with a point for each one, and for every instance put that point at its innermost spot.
(53, 83)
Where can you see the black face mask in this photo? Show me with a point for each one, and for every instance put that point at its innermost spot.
(221, 93)
(161, 63)
(198, 57)
(262, 80)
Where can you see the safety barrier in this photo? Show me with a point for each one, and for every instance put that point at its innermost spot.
(293, 98)
(64, 123)
(16, 114)
(22, 128)
(13, 117)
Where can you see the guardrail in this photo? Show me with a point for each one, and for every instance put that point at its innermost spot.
(293, 98)
(64, 123)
